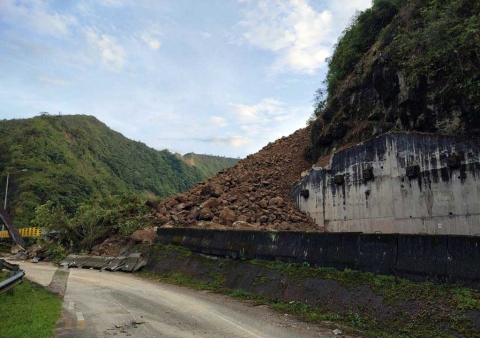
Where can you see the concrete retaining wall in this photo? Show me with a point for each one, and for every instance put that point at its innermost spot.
(398, 183)
(453, 259)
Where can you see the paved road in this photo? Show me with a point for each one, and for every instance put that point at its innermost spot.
(113, 304)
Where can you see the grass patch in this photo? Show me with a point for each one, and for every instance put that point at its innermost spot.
(177, 278)
(31, 312)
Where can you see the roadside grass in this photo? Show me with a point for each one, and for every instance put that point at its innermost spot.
(31, 312)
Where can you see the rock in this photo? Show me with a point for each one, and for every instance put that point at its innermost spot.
(263, 203)
(194, 213)
(182, 198)
(295, 218)
(243, 218)
(36, 250)
(210, 225)
(336, 332)
(153, 205)
(276, 201)
(162, 219)
(210, 203)
(145, 236)
(241, 225)
(208, 190)
(206, 214)
(16, 249)
(227, 217)
(263, 219)
(211, 190)
(168, 225)
(257, 189)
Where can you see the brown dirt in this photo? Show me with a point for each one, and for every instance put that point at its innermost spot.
(255, 193)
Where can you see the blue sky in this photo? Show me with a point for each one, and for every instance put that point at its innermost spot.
(222, 77)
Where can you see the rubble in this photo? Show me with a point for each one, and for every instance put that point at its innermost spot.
(254, 194)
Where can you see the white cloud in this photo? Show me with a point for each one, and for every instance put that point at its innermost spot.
(267, 121)
(300, 36)
(292, 29)
(54, 81)
(205, 35)
(112, 55)
(218, 121)
(114, 3)
(151, 37)
(233, 141)
(36, 16)
(260, 112)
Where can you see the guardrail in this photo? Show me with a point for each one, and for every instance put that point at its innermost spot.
(16, 275)
(24, 232)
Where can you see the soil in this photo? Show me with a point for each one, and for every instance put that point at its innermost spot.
(255, 194)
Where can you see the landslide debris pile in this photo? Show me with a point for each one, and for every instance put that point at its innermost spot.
(254, 194)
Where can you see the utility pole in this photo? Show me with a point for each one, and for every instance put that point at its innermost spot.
(5, 204)
(6, 192)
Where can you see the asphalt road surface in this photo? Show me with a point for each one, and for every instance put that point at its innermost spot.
(115, 304)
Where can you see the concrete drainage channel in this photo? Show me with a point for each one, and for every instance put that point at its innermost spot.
(130, 263)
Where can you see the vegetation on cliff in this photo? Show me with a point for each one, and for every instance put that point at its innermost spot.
(69, 160)
(402, 65)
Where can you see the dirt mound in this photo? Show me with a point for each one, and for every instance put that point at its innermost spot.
(254, 194)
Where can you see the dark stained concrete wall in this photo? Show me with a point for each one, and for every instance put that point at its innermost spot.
(441, 199)
(453, 259)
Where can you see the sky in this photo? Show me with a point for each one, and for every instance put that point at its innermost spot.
(220, 77)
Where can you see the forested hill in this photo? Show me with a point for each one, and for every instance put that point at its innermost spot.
(401, 65)
(72, 158)
(209, 165)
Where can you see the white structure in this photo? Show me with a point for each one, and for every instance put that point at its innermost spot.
(398, 183)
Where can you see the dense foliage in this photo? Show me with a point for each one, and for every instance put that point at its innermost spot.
(72, 159)
(92, 222)
(434, 40)
(209, 165)
(357, 39)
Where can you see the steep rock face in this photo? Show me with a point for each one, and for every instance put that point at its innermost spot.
(253, 194)
(421, 74)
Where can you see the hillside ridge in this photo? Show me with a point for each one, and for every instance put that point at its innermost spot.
(401, 66)
(70, 159)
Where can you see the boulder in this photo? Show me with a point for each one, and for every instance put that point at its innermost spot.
(144, 236)
(276, 201)
(211, 190)
(243, 218)
(210, 203)
(16, 249)
(241, 225)
(210, 225)
(206, 214)
(227, 217)
(263, 203)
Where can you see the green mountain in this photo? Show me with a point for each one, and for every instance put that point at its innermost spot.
(71, 159)
(209, 165)
(401, 65)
